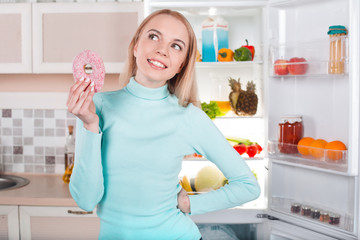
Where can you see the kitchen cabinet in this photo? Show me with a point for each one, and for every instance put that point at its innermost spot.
(40, 222)
(63, 30)
(15, 47)
(9, 222)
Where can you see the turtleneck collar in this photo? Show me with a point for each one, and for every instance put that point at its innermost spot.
(143, 92)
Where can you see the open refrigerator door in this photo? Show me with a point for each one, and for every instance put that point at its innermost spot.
(311, 185)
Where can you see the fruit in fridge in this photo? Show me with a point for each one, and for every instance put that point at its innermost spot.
(240, 148)
(335, 150)
(251, 48)
(225, 55)
(235, 92)
(209, 178)
(280, 67)
(247, 101)
(297, 66)
(317, 148)
(242, 54)
(304, 144)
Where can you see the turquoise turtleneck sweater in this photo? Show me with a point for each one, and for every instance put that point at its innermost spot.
(130, 169)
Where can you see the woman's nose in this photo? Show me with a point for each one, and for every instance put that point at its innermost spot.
(162, 50)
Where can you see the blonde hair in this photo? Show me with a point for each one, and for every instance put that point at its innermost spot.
(183, 84)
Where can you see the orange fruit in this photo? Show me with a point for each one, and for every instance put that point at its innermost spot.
(304, 144)
(317, 148)
(336, 146)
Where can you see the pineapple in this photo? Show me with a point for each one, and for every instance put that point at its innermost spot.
(235, 92)
(247, 101)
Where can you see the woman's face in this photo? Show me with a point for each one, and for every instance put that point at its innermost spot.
(161, 50)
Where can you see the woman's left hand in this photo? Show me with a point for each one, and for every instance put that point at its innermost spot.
(183, 201)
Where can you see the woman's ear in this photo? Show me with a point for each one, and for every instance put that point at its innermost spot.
(135, 50)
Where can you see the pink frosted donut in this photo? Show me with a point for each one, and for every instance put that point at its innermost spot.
(88, 64)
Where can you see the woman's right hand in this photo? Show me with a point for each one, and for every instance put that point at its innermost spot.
(80, 103)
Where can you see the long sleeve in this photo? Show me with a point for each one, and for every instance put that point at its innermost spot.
(86, 182)
(209, 142)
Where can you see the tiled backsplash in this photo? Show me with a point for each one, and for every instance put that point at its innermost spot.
(32, 140)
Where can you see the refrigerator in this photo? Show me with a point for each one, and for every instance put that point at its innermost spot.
(295, 188)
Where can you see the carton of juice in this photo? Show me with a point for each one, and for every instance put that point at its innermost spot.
(214, 37)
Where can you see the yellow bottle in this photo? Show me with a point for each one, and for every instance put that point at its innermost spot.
(69, 154)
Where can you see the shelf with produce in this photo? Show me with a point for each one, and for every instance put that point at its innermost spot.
(334, 161)
(319, 57)
(202, 159)
(308, 69)
(233, 64)
(319, 214)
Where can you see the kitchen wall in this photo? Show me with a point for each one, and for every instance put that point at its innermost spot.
(34, 120)
(32, 140)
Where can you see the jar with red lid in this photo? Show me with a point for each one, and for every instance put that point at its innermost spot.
(291, 130)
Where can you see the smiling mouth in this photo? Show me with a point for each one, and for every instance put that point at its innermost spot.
(157, 64)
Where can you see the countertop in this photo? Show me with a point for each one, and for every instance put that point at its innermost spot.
(43, 190)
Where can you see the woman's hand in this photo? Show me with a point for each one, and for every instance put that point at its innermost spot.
(183, 201)
(80, 104)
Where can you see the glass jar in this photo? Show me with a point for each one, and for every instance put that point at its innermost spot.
(324, 216)
(295, 208)
(334, 219)
(305, 211)
(290, 132)
(337, 55)
(315, 213)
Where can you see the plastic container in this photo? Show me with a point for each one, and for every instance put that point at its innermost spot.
(214, 37)
(337, 34)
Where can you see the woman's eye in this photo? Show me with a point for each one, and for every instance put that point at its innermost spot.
(176, 47)
(153, 37)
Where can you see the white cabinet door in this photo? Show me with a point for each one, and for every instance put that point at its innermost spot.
(15, 47)
(58, 223)
(62, 30)
(9, 222)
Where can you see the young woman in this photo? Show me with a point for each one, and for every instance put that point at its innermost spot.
(131, 142)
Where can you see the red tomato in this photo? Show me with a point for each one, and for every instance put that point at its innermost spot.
(259, 148)
(252, 150)
(240, 148)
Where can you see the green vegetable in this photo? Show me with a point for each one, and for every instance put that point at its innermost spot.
(242, 54)
(211, 109)
(245, 141)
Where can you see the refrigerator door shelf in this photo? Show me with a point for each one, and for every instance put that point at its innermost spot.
(288, 227)
(319, 215)
(322, 163)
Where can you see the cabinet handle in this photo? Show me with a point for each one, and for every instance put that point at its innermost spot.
(79, 212)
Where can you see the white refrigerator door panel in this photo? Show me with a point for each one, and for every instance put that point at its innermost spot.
(279, 230)
(298, 28)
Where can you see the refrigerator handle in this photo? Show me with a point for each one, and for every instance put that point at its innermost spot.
(264, 215)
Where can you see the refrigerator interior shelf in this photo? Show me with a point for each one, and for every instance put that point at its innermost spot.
(314, 69)
(310, 211)
(201, 158)
(318, 157)
(233, 64)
